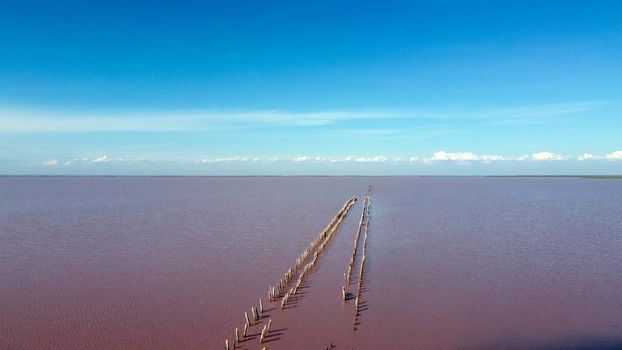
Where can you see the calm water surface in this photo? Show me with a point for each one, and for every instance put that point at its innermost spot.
(173, 263)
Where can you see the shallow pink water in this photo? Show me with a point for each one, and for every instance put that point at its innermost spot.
(161, 263)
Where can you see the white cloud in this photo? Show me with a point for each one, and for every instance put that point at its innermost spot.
(76, 160)
(617, 155)
(102, 159)
(314, 159)
(344, 159)
(464, 157)
(330, 159)
(302, 159)
(487, 158)
(586, 156)
(460, 157)
(234, 159)
(371, 159)
(51, 162)
(457, 156)
(547, 156)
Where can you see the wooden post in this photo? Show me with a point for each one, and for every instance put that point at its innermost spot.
(254, 312)
(263, 334)
(248, 322)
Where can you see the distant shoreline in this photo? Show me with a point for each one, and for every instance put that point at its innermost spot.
(604, 177)
(254, 176)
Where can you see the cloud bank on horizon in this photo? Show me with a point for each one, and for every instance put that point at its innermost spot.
(436, 164)
(280, 88)
(461, 157)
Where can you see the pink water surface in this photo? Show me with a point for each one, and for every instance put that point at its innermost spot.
(173, 262)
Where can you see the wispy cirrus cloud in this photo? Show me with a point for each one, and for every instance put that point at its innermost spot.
(543, 110)
(35, 120)
(14, 119)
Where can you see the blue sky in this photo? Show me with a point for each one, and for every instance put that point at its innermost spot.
(442, 87)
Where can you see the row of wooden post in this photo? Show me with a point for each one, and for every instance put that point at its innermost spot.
(315, 247)
(347, 275)
(319, 248)
(359, 286)
(257, 313)
(276, 291)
